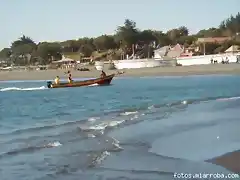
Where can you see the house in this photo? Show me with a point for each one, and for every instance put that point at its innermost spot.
(161, 52)
(175, 51)
(201, 42)
(65, 63)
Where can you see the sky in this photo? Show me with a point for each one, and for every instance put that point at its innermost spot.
(59, 20)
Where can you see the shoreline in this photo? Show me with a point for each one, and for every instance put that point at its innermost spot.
(118, 77)
(212, 69)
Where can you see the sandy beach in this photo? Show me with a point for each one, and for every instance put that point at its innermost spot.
(158, 71)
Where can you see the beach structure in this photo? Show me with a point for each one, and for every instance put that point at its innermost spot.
(184, 61)
(99, 65)
(201, 42)
(65, 63)
(230, 55)
(206, 59)
(179, 55)
(185, 56)
(233, 49)
(135, 61)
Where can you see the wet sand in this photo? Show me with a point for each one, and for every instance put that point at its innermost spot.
(158, 71)
(230, 161)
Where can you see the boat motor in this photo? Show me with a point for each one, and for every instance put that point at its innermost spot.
(49, 84)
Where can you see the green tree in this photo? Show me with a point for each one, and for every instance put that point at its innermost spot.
(49, 52)
(211, 32)
(5, 53)
(70, 46)
(147, 36)
(175, 34)
(104, 42)
(23, 40)
(232, 24)
(22, 49)
(187, 40)
(84, 41)
(162, 38)
(87, 50)
(183, 31)
(127, 35)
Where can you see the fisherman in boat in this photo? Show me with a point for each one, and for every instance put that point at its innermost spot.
(103, 74)
(70, 78)
(57, 79)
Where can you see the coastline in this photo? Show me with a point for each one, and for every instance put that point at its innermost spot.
(143, 72)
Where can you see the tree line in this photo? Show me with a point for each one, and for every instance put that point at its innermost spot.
(25, 51)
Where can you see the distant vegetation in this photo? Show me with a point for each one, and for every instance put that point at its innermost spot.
(25, 51)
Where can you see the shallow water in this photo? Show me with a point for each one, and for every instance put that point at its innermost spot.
(137, 128)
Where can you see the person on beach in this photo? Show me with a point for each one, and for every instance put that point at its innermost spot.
(120, 72)
(57, 80)
(68, 72)
(103, 74)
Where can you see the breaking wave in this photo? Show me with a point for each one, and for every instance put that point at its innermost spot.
(23, 89)
(121, 117)
(30, 149)
(31, 88)
(93, 85)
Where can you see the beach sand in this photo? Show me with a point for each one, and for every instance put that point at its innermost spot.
(230, 161)
(157, 71)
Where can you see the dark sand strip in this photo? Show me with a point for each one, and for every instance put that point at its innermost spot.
(230, 161)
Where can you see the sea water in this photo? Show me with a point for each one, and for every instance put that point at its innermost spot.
(136, 128)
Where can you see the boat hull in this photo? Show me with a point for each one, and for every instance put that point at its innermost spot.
(100, 81)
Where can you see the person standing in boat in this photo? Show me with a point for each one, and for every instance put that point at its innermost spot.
(70, 78)
(103, 74)
(57, 80)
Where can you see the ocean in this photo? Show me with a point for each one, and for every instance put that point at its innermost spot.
(135, 129)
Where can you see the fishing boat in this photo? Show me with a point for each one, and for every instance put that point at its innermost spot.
(99, 81)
